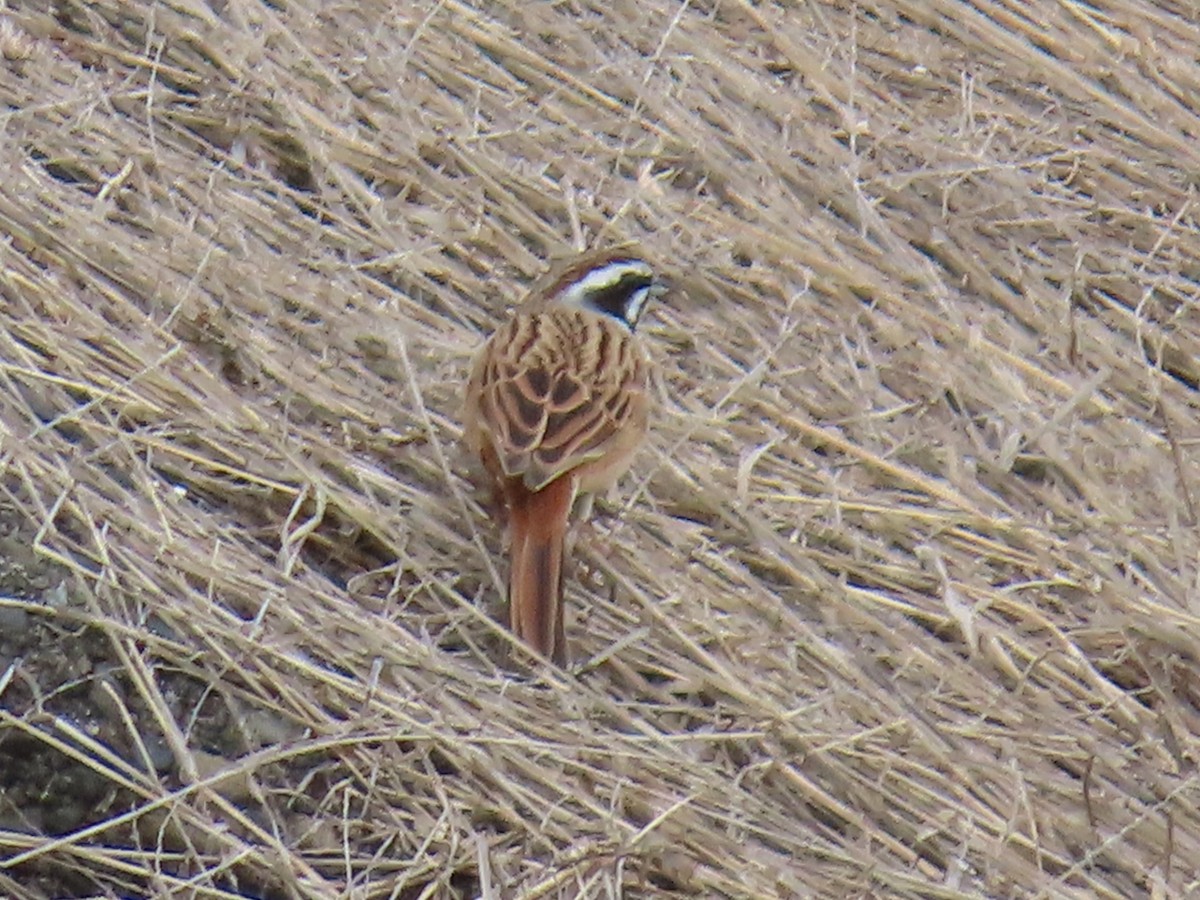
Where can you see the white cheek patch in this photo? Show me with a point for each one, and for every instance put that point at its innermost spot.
(637, 302)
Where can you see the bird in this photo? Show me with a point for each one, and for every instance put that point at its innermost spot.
(557, 405)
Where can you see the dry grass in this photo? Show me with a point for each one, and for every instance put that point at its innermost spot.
(903, 598)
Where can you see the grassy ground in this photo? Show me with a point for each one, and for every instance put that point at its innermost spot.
(901, 600)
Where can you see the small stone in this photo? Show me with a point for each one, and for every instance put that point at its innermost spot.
(160, 755)
(14, 620)
(56, 597)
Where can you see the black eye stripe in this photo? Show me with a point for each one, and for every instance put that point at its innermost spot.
(618, 299)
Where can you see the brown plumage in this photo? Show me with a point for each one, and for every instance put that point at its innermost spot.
(556, 407)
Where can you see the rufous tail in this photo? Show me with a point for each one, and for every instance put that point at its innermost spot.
(535, 582)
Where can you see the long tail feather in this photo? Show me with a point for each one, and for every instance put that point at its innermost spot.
(535, 584)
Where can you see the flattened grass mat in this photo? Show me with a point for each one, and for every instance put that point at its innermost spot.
(900, 600)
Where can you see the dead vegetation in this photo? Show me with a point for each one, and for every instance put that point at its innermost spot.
(902, 600)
